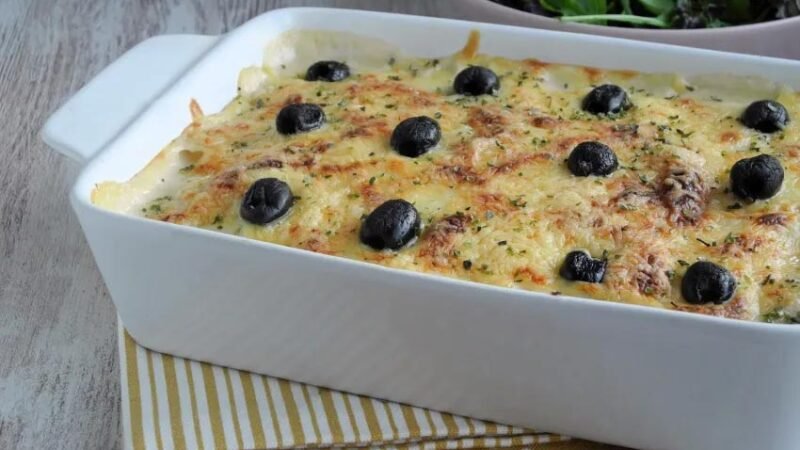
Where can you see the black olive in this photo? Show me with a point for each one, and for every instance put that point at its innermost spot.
(592, 158)
(327, 71)
(391, 225)
(706, 282)
(299, 118)
(266, 200)
(476, 80)
(415, 136)
(606, 99)
(767, 116)
(756, 178)
(580, 266)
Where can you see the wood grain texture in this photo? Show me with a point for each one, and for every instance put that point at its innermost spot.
(59, 377)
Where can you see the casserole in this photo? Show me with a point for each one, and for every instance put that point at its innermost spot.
(495, 200)
(609, 372)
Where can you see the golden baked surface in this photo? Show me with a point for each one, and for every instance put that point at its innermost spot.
(497, 201)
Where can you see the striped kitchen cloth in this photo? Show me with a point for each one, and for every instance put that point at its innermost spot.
(175, 403)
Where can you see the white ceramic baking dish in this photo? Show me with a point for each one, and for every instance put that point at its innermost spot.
(616, 373)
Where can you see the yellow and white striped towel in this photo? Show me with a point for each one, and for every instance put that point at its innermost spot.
(175, 403)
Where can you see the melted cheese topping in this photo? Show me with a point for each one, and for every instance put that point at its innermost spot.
(498, 203)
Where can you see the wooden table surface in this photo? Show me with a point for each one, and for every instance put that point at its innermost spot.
(59, 376)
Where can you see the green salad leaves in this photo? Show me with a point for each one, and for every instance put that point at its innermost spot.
(661, 13)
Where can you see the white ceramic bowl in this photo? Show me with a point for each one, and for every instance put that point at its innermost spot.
(779, 38)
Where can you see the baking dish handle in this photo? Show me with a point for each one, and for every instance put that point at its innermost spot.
(112, 99)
